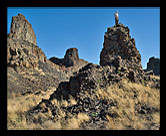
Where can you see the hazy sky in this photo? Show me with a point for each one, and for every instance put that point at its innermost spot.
(58, 29)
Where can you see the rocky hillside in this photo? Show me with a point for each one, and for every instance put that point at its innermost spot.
(71, 93)
(90, 88)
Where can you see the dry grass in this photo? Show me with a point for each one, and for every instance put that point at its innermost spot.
(17, 105)
(122, 93)
(75, 121)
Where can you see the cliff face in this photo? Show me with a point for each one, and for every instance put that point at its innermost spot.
(71, 57)
(22, 30)
(119, 49)
(22, 49)
(27, 63)
(154, 64)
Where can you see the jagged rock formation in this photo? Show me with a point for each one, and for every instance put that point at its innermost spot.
(22, 49)
(23, 54)
(32, 70)
(70, 59)
(22, 30)
(154, 64)
(84, 87)
(119, 50)
(29, 71)
(71, 63)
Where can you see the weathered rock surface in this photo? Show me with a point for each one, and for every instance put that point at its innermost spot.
(71, 63)
(23, 54)
(119, 50)
(83, 88)
(22, 49)
(154, 64)
(70, 59)
(22, 30)
(28, 67)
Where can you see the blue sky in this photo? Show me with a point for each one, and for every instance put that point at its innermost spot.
(58, 29)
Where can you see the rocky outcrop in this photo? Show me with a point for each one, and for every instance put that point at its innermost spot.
(119, 50)
(71, 63)
(22, 49)
(154, 64)
(84, 87)
(72, 77)
(23, 54)
(57, 61)
(32, 70)
(70, 59)
(89, 78)
(22, 30)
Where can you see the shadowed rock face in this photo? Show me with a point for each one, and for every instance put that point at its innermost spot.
(154, 64)
(71, 57)
(70, 61)
(119, 49)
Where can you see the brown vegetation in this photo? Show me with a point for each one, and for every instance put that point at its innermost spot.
(127, 95)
